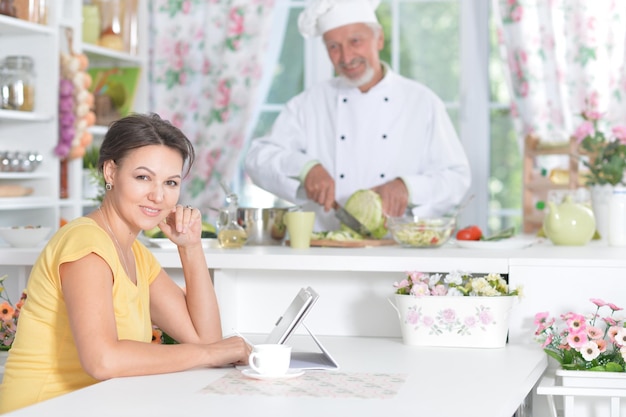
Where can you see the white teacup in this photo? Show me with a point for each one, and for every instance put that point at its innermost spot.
(270, 359)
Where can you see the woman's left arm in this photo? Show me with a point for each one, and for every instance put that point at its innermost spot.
(192, 315)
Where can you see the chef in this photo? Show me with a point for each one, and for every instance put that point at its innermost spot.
(366, 128)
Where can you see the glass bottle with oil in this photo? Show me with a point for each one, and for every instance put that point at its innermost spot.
(231, 235)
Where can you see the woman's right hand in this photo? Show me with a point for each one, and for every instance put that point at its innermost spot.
(230, 351)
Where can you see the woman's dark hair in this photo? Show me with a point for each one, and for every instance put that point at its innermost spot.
(139, 130)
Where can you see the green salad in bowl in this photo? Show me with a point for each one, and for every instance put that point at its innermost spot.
(417, 232)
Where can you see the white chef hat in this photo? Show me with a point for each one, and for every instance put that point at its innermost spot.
(323, 15)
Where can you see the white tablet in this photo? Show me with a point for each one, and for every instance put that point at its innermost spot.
(295, 313)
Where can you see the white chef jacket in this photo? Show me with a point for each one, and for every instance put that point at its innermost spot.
(399, 128)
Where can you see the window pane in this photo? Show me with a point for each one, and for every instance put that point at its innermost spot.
(505, 182)
(265, 122)
(289, 72)
(429, 45)
(498, 91)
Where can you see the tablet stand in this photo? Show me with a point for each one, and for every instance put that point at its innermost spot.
(313, 360)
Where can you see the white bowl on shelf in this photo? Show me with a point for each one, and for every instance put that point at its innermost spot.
(24, 236)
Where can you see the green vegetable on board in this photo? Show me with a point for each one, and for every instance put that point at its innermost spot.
(367, 207)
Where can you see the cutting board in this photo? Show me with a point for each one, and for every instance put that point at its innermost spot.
(352, 243)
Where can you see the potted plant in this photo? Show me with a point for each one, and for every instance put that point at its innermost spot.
(605, 159)
(454, 310)
(590, 350)
(92, 179)
(9, 314)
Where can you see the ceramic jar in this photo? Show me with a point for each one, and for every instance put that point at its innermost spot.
(569, 223)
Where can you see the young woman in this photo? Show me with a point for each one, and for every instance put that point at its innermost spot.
(95, 291)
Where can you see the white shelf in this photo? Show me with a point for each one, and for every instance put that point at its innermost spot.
(116, 57)
(25, 116)
(10, 26)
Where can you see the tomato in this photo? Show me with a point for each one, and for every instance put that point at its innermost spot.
(469, 233)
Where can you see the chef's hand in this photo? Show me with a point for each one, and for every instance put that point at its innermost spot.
(320, 187)
(395, 197)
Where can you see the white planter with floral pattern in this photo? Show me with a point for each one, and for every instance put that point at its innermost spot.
(477, 322)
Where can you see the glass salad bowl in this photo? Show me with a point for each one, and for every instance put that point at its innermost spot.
(419, 232)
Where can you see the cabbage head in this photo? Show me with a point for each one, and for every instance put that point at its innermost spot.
(367, 207)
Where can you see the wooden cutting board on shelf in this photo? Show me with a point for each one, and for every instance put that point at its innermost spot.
(352, 243)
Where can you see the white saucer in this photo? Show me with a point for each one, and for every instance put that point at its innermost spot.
(292, 373)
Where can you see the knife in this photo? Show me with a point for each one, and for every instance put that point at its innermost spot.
(349, 220)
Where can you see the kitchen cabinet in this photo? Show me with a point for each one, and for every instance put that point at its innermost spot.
(38, 130)
(26, 131)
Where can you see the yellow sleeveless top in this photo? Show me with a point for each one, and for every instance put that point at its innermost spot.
(43, 362)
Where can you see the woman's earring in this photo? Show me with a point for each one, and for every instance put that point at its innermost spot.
(108, 186)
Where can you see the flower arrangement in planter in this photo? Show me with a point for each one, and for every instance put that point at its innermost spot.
(9, 313)
(607, 153)
(592, 342)
(454, 310)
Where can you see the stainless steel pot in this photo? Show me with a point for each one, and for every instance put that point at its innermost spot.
(264, 226)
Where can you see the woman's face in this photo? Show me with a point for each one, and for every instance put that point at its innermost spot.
(353, 49)
(146, 185)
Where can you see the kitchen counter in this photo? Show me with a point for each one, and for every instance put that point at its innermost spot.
(428, 382)
(255, 284)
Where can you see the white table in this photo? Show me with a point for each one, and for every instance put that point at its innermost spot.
(441, 382)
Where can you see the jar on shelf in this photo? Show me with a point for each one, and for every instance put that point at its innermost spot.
(118, 25)
(17, 83)
(91, 24)
(35, 11)
(7, 8)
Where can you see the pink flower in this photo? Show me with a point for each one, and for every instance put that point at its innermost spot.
(584, 130)
(614, 307)
(517, 13)
(547, 341)
(576, 323)
(592, 115)
(598, 302)
(594, 332)
(620, 133)
(448, 315)
(577, 340)
(470, 321)
(402, 284)
(613, 332)
(412, 317)
(620, 337)
(420, 289)
(601, 345)
(439, 289)
(485, 317)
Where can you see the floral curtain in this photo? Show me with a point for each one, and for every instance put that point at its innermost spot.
(205, 67)
(560, 55)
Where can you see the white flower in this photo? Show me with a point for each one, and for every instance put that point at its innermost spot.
(590, 350)
(480, 285)
(433, 279)
(454, 278)
(453, 292)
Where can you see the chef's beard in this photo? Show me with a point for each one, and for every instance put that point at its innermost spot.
(364, 79)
